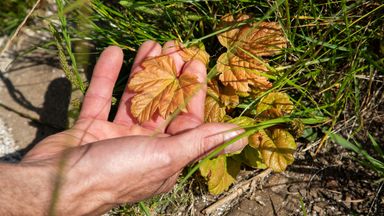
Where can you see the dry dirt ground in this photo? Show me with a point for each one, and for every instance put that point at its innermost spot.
(34, 92)
(34, 101)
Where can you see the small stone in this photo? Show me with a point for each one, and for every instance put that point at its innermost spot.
(7, 143)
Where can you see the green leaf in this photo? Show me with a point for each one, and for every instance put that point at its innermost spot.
(220, 172)
(309, 134)
(251, 157)
(276, 146)
(275, 104)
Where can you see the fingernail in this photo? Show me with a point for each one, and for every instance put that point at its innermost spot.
(230, 135)
(236, 146)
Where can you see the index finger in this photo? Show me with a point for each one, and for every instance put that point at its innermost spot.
(97, 100)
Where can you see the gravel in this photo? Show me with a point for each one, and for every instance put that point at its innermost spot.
(8, 146)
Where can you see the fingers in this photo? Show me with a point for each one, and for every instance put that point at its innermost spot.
(147, 49)
(172, 50)
(195, 105)
(194, 144)
(97, 101)
(158, 123)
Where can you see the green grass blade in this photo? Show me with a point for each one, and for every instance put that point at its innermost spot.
(373, 163)
(376, 146)
(343, 142)
(144, 208)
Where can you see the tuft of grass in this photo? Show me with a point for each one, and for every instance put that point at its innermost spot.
(364, 157)
(64, 46)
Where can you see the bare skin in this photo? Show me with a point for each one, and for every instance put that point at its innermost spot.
(97, 164)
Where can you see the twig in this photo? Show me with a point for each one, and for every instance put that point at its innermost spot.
(19, 28)
(376, 196)
(238, 192)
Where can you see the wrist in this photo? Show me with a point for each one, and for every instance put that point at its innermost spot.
(75, 188)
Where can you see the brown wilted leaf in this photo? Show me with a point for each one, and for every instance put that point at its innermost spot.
(229, 96)
(239, 73)
(214, 110)
(261, 39)
(258, 38)
(276, 146)
(193, 53)
(296, 128)
(159, 89)
(228, 37)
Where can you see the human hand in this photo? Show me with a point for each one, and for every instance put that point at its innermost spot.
(97, 164)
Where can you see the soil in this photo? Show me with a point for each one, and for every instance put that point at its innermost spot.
(34, 103)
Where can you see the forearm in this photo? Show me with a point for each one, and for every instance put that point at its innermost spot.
(41, 188)
(25, 190)
(58, 186)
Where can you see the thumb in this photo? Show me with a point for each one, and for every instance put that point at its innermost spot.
(191, 145)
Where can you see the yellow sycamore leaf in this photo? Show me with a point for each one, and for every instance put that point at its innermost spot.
(219, 98)
(276, 146)
(228, 37)
(159, 89)
(193, 53)
(242, 121)
(214, 112)
(274, 105)
(243, 94)
(213, 88)
(220, 172)
(260, 39)
(251, 157)
(240, 73)
(214, 109)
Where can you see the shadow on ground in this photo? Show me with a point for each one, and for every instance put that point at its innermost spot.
(53, 115)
